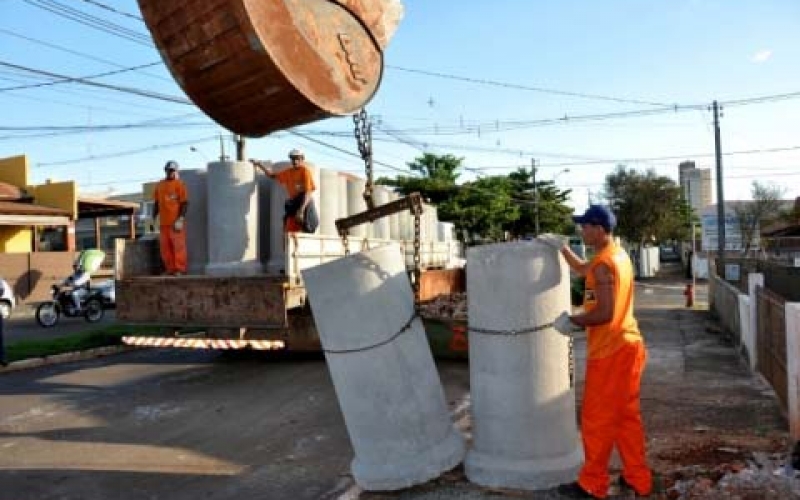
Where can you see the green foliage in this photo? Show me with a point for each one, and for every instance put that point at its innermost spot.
(489, 207)
(649, 207)
(554, 215)
(99, 337)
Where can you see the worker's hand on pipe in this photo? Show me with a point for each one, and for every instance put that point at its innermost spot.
(564, 325)
(554, 241)
(178, 225)
(260, 165)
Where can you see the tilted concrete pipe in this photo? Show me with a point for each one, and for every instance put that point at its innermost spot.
(382, 369)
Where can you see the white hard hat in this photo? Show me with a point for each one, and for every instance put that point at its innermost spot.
(296, 153)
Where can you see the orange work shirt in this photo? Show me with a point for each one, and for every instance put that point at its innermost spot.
(604, 340)
(169, 195)
(296, 180)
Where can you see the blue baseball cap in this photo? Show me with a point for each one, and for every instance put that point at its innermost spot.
(597, 215)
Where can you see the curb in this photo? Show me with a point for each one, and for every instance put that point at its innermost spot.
(66, 357)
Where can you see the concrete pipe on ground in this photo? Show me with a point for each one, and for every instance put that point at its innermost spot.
(525, 432)
(383, 370)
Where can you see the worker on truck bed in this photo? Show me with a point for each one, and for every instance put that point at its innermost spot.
(610, 414)
(170, 203)
(299, 184)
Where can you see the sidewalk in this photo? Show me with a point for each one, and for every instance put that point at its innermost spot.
(714, 429)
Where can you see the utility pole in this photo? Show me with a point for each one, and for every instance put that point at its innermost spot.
(240, 153)
(720, 195)
(535, 199)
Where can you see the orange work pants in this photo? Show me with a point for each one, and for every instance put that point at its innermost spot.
(173, 249)
(611, 416)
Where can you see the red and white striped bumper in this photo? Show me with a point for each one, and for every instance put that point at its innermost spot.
(199, 343)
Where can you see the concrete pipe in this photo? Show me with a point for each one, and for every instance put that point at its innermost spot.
(328, 202)
(232, 220)
(524, 425)
(382, 369)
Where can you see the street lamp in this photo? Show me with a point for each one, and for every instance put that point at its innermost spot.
(195, 150)
(565, 171)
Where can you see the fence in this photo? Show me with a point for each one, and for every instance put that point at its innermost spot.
(771, 341)
(767, 326)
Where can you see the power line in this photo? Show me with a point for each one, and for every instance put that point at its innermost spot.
(516, 86)
(112, 9)
(84, 81)
(127, 152)
(77, 53)
(79, 79)
(91, 21)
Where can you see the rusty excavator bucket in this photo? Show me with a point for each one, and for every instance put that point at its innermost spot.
(258, 66)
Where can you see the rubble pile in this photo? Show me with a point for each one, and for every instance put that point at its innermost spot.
(453, 306)
(762, 477)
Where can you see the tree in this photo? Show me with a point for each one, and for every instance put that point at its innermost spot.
(488, 207)
(482, 209)
(767, 205)
(648, 206)
(437, 181)
(554, 214)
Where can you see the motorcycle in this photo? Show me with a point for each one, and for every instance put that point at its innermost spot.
(49, 312)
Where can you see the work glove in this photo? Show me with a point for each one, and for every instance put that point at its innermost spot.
(564, 325)
(178, 224)
(554, 241)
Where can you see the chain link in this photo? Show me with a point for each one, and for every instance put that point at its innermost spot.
(417, 259)
(345, 242)
(402, 330)
(571, 362)
(363, 133)
(510, 333)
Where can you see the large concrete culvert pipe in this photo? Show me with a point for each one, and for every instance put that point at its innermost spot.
(524, 425)
(382, 369)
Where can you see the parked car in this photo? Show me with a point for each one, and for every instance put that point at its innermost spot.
(7, 301)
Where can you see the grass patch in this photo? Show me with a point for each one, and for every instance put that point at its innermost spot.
(100, 337)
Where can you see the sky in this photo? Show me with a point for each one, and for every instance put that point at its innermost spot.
(579, 86)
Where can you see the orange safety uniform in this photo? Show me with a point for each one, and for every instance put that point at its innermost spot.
(170, 194)
(295, 180)
(611, 414)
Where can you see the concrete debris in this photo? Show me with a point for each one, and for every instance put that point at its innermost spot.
(453, 306)
(764, 476)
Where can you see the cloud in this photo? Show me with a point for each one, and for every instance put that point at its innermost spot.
(761, 56)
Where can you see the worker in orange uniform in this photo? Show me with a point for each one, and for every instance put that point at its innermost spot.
(616, 356)
(299, 184)
(170, 203)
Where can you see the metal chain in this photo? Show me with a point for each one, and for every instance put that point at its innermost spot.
(345, 242)
(524, 331)
(510, 333)
(405, 328)
(571, 362)
(417, 257)
(363, 133)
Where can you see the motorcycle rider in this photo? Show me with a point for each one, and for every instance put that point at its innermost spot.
(79, 282)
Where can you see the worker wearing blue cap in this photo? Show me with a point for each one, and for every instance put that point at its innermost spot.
(616, 356)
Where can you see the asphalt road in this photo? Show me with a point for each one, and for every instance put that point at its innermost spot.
(178, 425)
(22, 325)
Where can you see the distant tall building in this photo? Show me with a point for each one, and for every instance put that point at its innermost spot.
(696, 185)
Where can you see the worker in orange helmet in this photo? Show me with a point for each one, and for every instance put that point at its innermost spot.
(616, 356)
(170, 203)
